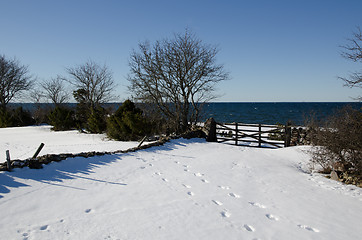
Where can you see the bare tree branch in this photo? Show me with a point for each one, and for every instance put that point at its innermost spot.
(14, 79)
(55, 90)
(96, 81)
(353, 51)
(176, 75)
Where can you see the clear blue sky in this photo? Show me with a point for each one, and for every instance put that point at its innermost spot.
(274, 50)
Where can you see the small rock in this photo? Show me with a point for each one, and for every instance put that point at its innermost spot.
(34, 164)
(334, 176)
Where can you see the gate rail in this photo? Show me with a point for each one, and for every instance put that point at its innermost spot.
(254, 135)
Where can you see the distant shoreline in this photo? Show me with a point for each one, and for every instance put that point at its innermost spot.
(251, 112)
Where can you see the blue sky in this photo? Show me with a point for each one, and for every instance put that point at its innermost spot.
(274, 50)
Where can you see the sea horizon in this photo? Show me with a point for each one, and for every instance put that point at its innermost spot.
(253, 112)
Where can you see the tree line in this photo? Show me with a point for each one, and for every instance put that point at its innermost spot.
(172, 78)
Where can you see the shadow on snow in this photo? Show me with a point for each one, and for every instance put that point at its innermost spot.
(56, 172)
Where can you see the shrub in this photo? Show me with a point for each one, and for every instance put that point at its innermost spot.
(128, 123)
(96, 122)
(62, 118)
(41, 113)
(339, 142)
(5, 118)
(15, 117)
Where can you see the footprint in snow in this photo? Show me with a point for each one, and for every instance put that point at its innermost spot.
(272, 217)
(198, 174)
(308, 228)
(186, 166)
(249, 228)
(217, 202)
(158, 173)
(224, 187)
(43, 227)
(204, 180)
(225, 214)
(255, 204)
(177, 162)
(186, 186)
(190, 193)
(234, 195)
(186, 170)
(88, 210)
(164, 179)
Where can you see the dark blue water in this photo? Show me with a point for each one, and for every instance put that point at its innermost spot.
(272, 113)
(265, 113)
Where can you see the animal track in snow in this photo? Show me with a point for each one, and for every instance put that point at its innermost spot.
(164, 179)
(186, 166)
(204, 180)
(224, 187)
(234, 195)
(177, 162)
(88, 210)
(186, 170)
(186, 186)
(255, 204)
(272, 217)
(198, 174)
(217, 202)
(225, 213)
(249, 228)
(190, 193)
(43, 227)
(308, 228)
(158, 173)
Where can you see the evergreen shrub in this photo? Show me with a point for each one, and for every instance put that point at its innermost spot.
(128, 123)
(15, 117)
(96, 122)
(62, 118)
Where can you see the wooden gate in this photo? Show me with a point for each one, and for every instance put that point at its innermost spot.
(254, 135)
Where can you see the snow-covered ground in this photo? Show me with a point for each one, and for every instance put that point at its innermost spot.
(186, 189)
(22, 142)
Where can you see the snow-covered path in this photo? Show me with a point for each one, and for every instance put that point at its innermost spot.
(186, 189)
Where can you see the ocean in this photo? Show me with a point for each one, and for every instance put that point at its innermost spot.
(273, 113)
(260, 112)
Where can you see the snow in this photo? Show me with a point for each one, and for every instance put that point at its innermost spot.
(22, 142)
(185, 189)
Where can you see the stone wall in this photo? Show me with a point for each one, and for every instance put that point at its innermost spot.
(300, 136)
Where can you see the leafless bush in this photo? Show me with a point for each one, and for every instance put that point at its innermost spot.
(338, 142)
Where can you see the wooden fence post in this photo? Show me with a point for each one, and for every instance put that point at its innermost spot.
(210, 128)
(288, 135)
(8, 160)
(236, 133)
(38, 151)
(259, 135)
(143, 139)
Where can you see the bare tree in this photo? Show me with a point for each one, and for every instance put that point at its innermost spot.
(14, 79)
(55, 90)
(95, 82)
(353, 52)
(177, 75)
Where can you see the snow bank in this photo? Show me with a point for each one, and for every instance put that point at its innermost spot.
(22, 142)
(186, 189)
